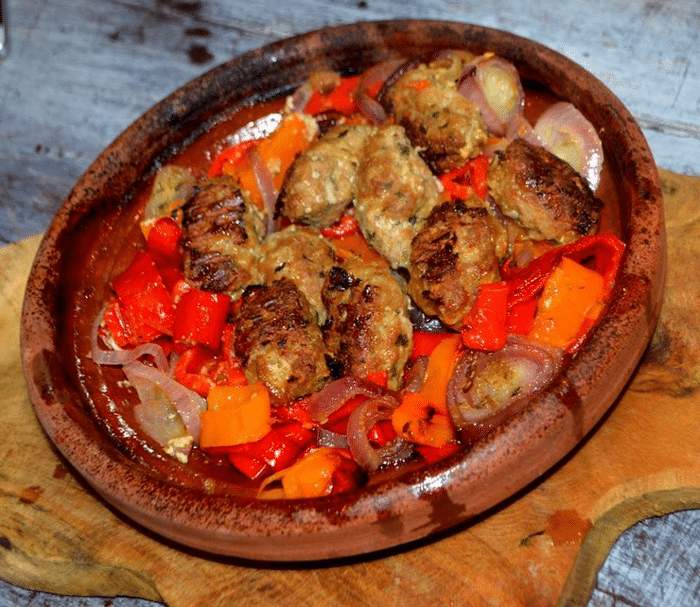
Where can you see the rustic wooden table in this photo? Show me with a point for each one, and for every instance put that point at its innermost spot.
(79, 71)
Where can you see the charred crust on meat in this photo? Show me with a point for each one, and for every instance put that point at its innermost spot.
(340, 280)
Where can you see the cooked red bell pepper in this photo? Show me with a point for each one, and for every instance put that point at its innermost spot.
(200, 317)
(341, 98)
(424, 343)
(467, 179)
(144, 300)
(275, 451)
(198, 369)
(484, 327)
(381, 378)
(164, 242)
(233, 155)
(345, 226)
(603, 252)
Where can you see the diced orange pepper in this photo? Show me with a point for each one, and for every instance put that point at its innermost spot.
(284, 144)
(440, 367)
(235, 415)
(355, 245)
(572, 299)
(418, 420)
(314, 475)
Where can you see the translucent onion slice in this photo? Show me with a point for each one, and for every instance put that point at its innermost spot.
(484, 384)
(369, 106)
(268, 191)
(187, 403)
(569, 135)
(494, 85)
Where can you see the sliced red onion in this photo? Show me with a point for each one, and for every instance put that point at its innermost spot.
(187, 403)
(370, 107)
(268, 191)
(416, 375)
(520, 128)
(334, 395)
(569, 135)
(485, 383)
(361, 421)
(494, 85)
(119, 356)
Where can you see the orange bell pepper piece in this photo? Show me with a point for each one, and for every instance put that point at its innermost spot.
(418, 420)
(320, 472)
(440, 367)
(572, 300)
(235, 415)
(285, 143)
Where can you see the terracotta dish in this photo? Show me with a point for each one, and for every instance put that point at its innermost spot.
(91, 238)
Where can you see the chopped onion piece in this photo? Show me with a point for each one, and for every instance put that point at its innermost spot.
(569, 135)
(333, 396)
(370, 107)
(485, 383)
(494, 85)
(187, 403)
(268, 191)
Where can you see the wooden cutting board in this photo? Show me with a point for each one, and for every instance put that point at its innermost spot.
(643, 459)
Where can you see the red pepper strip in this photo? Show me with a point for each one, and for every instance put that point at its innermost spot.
(164, 242)
(471, 177)
(341, 98)
(424, 343)
(143, 298)
(521, 316)
(200, 317)
(275, 451)
(345, 226)
(297, 410)
(188, 370)
(605, 251)
(485, 326)
(382, 433)
(121, 331)
(232, 155)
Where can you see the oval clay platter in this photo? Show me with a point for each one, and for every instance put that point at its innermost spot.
(92, 238)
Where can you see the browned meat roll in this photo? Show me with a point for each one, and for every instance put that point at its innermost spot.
(452, 255)
(444, 125)
(368, 328)
(278, 341)
(320, 184)
(302, 255)
(543, 194)
(395, 193)
(221, 232)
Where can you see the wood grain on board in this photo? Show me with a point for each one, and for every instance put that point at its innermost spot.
(58, 536)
